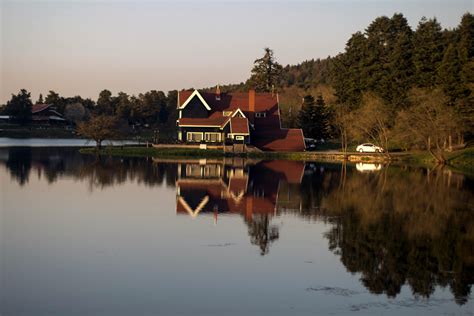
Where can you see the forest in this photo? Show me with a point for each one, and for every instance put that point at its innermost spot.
(395, 86)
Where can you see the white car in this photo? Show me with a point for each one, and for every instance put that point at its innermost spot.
(369, 148)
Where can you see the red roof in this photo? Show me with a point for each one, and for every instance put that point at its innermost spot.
(36, 108)
(239, 125)
(279, 140)
(233, 101)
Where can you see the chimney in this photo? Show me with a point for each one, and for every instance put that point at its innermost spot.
(218, 93)
(251, 105)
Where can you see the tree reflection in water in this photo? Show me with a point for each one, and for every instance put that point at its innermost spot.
(405, 226)
(262, 233)
(393, 226)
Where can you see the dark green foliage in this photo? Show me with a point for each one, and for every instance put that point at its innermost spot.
(265, 73)
(449, 74)
(19, 107)
(308, 74)
(350, 73)
(466, 36)
(427, 52)
(313, 118)
(105, 104)
(56, 101)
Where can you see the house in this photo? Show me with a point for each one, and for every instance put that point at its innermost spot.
(46, 114)
(235, 118)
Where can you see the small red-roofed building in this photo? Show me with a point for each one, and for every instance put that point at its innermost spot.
(235, 118)
(45, 114)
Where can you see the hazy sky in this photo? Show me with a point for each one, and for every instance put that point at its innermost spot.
(82, 47)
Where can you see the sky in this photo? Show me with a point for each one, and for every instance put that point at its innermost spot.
(83, 47)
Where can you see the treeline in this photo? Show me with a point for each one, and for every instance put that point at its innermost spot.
(395, 86)
(398, 87)
(153, 108)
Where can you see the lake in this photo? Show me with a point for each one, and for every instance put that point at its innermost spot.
(47, 142)
(137, 236)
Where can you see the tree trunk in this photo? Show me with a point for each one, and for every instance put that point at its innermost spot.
(438, 155)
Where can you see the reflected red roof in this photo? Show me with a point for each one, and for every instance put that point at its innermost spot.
(292, 170)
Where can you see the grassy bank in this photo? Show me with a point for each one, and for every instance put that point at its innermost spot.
(154, 152)
(462, 160)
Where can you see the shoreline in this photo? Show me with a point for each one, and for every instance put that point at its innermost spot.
(462, 160)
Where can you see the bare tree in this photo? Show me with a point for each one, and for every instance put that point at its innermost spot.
(99, 128)
(342, 121)
(429, 122)
(372, 121)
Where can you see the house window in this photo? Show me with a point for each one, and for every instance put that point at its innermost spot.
(194, 137)
(212, 137)
(193, 170)
(211, 170)
(226, 113)
(260, 114)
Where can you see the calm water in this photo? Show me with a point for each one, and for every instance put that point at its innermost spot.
(147, 237)
(43, 142)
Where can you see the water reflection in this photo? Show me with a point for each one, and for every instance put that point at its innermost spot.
(368, 167)
(393, 227)
(235, 186)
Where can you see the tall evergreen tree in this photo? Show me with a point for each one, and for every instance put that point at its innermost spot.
(400, 78)
(427, 51)
(265, 72)
(349, 71)
(449, 74)
(313, 119)
(40, 99)
(466, 36)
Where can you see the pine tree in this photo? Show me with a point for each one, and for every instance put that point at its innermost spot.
(449, 74)
(349, 71)
(401, 67)
(313, 119)
(427, 52)
(466, 36)
(324, 128)
(265, 73)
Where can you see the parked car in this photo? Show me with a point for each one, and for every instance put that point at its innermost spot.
(310, 143)
(369, 148)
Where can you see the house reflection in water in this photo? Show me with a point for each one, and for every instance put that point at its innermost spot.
(256, 190)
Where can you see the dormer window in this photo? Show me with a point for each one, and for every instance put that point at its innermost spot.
(260, 114)
(226, 113)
